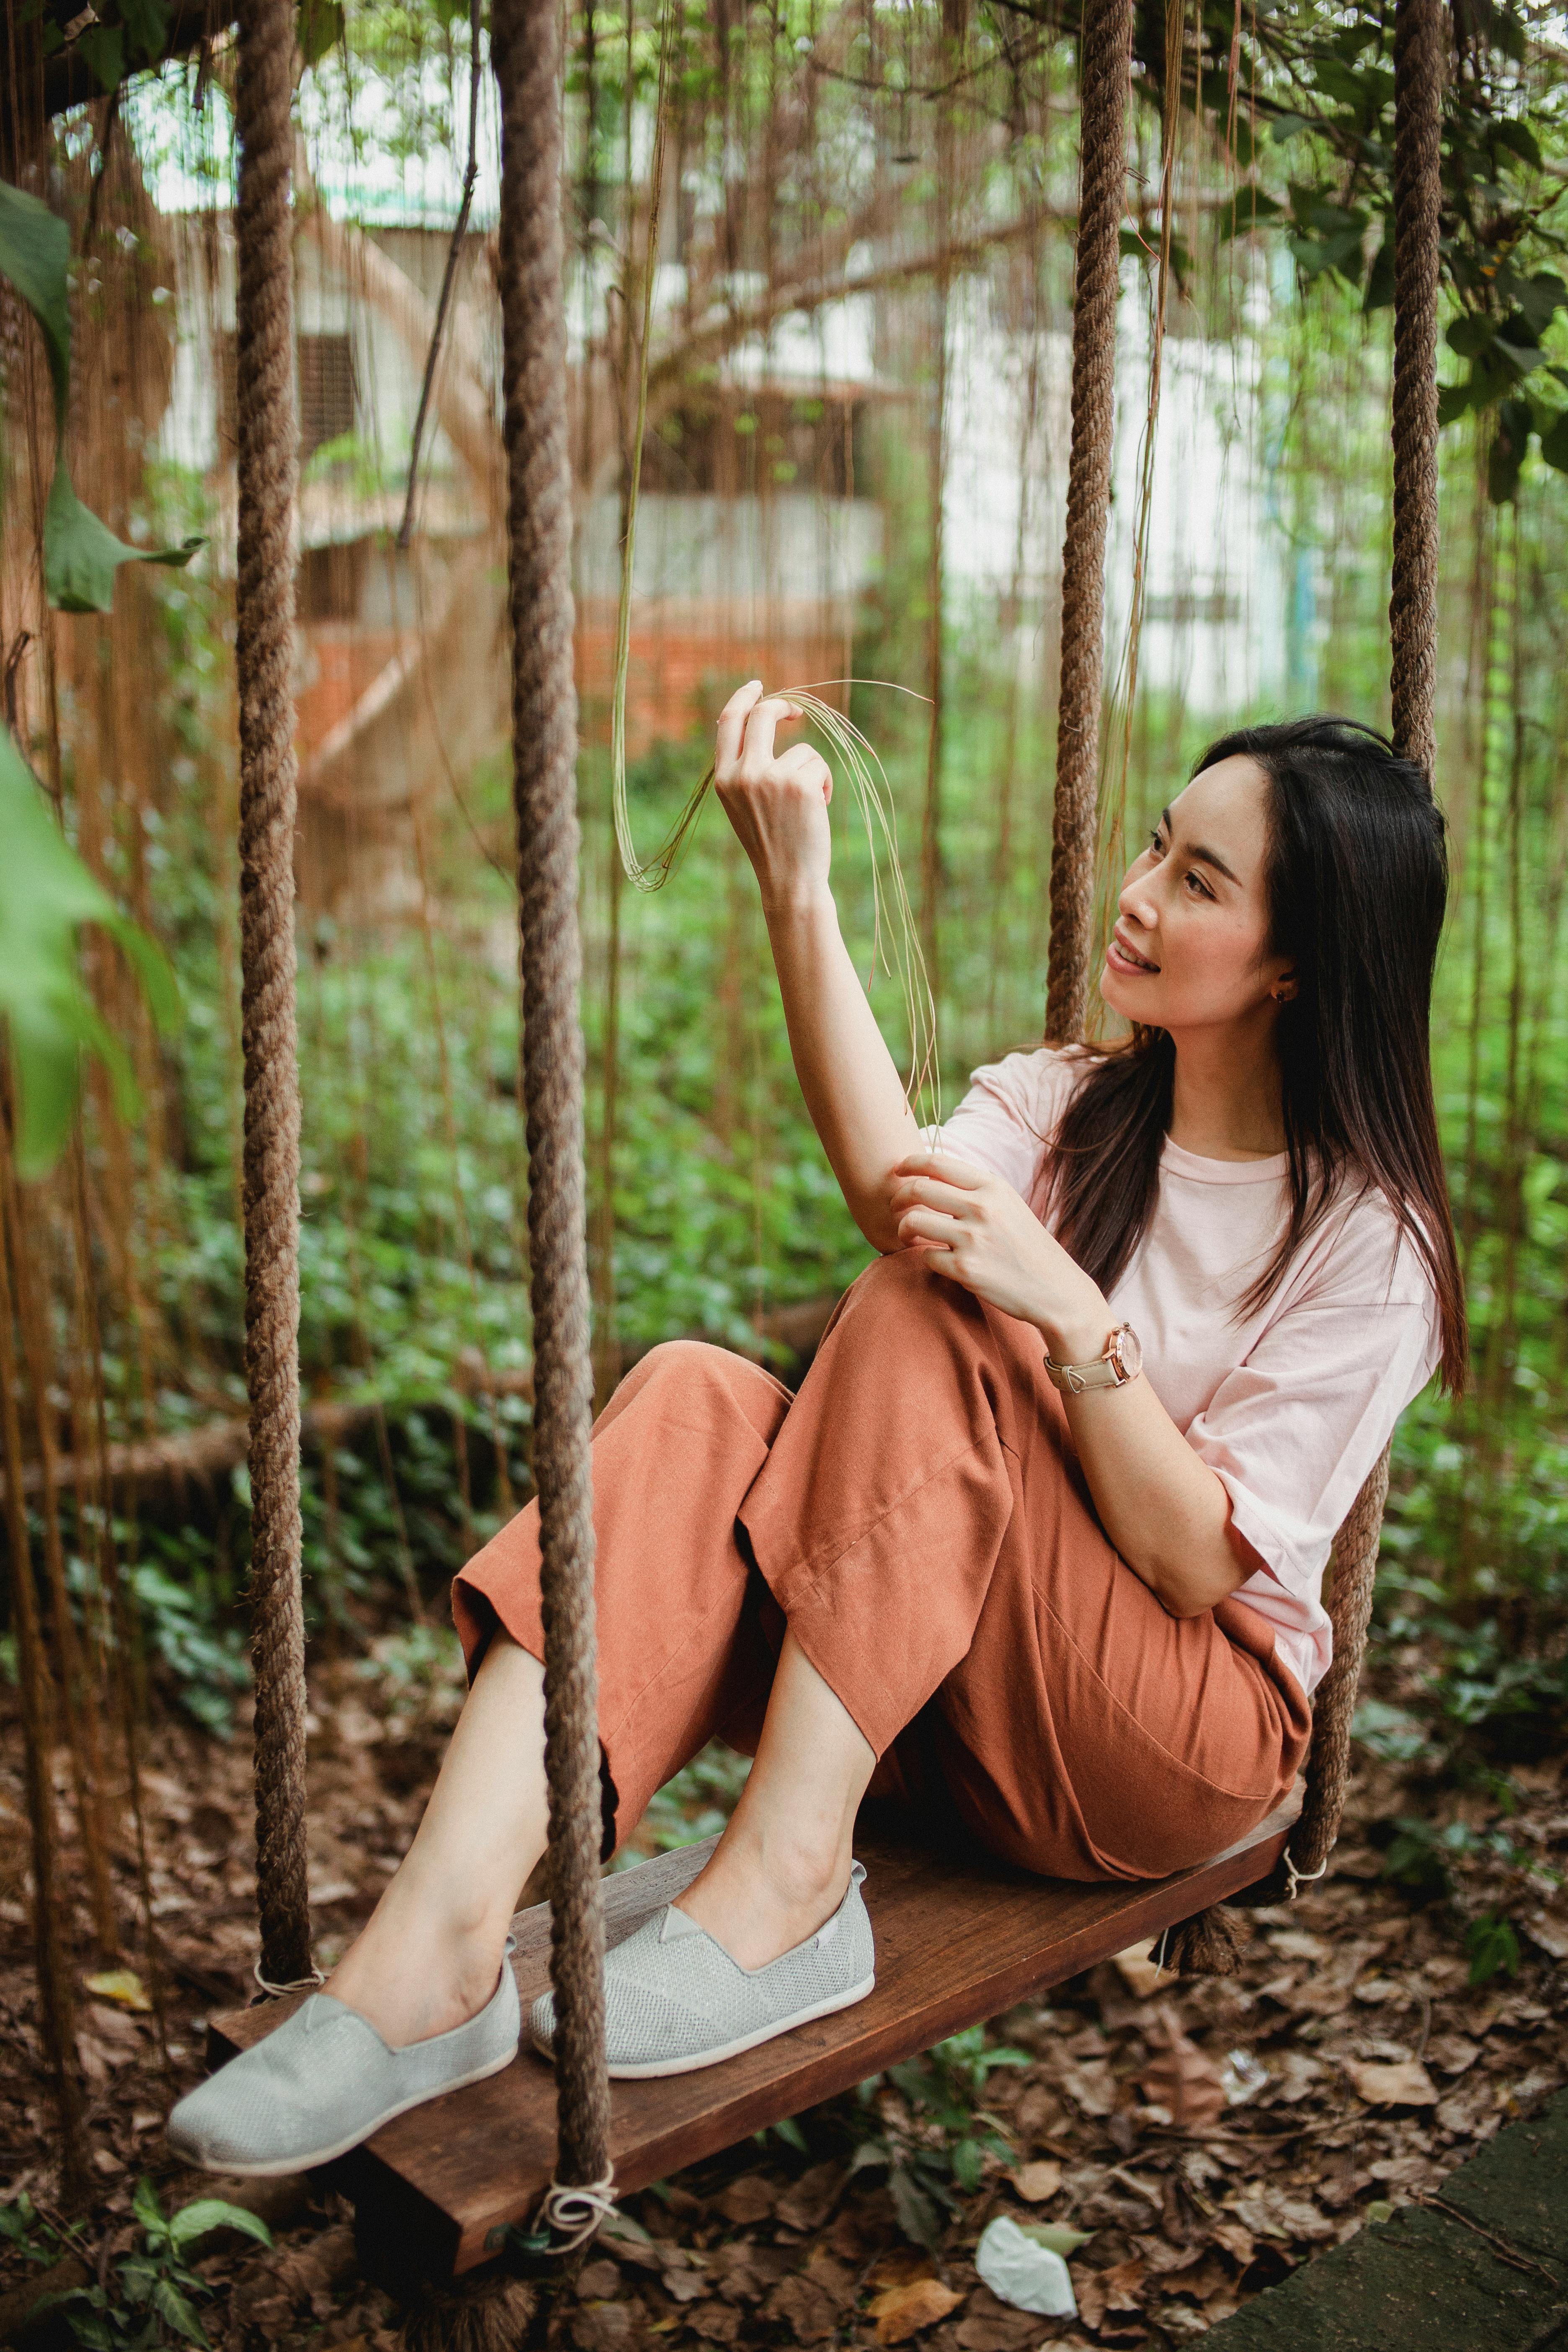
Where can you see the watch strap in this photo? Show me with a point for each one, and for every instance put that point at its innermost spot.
(1104, 1372)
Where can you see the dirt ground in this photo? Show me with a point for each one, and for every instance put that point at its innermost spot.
(1204, 2136)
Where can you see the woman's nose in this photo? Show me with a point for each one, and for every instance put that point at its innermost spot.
(1137, 902)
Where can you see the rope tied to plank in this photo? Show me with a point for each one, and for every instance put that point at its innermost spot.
(1203, 1946)
(1105, 67)
(264, 652)
(525, 52)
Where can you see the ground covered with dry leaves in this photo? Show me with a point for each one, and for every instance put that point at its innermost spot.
(1195, 2140)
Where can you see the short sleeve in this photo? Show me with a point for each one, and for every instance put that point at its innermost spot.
(1006, 1119)
(1293, 1431)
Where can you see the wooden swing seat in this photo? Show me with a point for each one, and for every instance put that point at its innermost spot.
(959, 1938)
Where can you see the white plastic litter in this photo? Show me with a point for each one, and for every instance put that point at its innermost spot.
(1019, 2271)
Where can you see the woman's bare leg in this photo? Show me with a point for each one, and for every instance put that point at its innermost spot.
(783, 1863)
(428, 1955)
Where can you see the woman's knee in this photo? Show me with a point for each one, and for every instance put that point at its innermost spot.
(694, 1374)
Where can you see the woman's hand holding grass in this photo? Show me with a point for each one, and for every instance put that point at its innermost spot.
(976, 1229)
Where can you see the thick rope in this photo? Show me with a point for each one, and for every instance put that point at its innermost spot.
(1105, 66)
(264, 656)
(1420, 56)
(1354, 1569)
(525, 51)
(1209, 1945)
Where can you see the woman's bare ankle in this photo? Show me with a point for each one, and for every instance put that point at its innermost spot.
(759, 1903)
(416, 1978)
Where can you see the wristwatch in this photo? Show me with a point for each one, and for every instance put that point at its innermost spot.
(1123, 1361)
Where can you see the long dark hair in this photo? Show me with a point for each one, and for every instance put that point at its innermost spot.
(1357, 881)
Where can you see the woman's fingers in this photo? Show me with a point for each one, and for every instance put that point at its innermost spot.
(806, 765)
(763, 724)
(930, 1225)
(928, 1192)
(732, 724)
(944, 1167)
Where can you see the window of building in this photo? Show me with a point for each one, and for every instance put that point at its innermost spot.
(326, 392)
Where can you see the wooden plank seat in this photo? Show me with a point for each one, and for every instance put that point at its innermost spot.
(959, 1938)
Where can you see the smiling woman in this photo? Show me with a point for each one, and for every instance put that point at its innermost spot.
(1040, 1545)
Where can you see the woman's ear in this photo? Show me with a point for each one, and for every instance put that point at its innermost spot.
(1284, 989)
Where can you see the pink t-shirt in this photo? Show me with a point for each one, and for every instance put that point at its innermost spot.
(1290, 1404)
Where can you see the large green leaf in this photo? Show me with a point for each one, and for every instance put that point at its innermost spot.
(46, 895)
(35, 255)
(81, 554)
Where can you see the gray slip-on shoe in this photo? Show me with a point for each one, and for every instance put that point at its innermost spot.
(675, 2000)
(325, 2080)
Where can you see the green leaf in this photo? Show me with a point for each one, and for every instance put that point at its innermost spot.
(86, 2325)
(319, 26)
(35, 255)
(1491, 1948)
(1247, 210)
(46, 894)
(919, 2215)
(103, 46)
(81, 554)
(1519, 139)
(1469, 334)
(145, 2202)
(177, 2313)
(195, 2221)
(1057, 2236)
(1536, 300)
(1379, 293)
(147, 22)
(1555, 443)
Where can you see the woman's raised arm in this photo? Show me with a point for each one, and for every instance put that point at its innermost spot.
(777, 803)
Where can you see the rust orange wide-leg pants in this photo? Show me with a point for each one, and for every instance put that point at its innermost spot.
(917, 1516)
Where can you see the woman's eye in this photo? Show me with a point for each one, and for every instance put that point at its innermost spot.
(1197, 884)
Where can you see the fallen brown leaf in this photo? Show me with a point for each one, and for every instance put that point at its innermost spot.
(991, 2326)
(804, 2206)
(714, 2323)
(750, 2199)
(1271, 2212)
(1036, 2182)
(1181, 2079)
(900, 2266)
(1138, 1971)
(901, 2312)
(597, 2281)
(811, 2312)
(1403, 2082)
(1452, 2053)
(1039, 2113)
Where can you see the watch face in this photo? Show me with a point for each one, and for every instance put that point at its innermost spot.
(1129, 1351)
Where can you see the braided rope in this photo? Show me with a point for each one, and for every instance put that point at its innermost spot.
(1420, 54)
(1354, 1571)
(264, 648)
(525, 51)
(1105, 66)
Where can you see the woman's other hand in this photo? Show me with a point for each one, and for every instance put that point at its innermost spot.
(974, 1227)
(776, 800)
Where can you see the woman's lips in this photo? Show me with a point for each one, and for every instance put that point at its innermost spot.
(1127, 957)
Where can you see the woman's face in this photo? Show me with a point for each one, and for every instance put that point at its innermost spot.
(1188, 947)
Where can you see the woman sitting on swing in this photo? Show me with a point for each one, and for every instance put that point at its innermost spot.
(1039, 1544)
